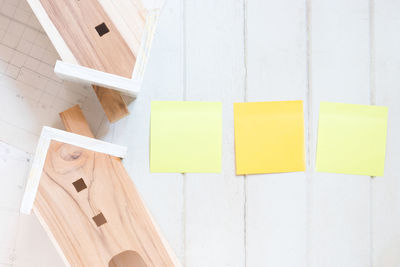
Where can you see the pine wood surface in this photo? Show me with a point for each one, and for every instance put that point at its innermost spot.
(73, 210)
(68, 213)
(74, 121)
(112, 102)
(76, 22)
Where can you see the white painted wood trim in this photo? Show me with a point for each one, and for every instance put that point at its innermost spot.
(48, 134)
(52, 32)
(71, 70)
(113, 10)
(145, 46)
(77, 73)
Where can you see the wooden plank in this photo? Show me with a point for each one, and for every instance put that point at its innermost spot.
(112, 102)
(50, 134)
(90, 206)
(103, 49)
(77, 73)
(340, 212)
(163, 193)
(52, 32)
(129, 17)
(276, 70)
(215, 229)
(386, 190)
(74, 121)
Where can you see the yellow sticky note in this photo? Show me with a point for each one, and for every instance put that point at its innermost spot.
(269, 137)
(351, 139)
(185, 136)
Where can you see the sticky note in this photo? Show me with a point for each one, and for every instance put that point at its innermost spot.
(185, 136)
(351, 139)
(269, 137)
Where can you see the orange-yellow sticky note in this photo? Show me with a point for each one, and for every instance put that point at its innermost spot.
(269, 137)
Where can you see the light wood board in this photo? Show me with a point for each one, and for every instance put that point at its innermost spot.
(129, 16)
(72, 32)
(77, 187)
(70, 215)
(74, 121)
(76, 22)
(112, 102)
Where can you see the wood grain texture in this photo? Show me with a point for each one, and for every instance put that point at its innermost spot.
(129, 16)
(112, 102)
(69, 214)
(276, 71)
(76, 22)
(56, 39)
(92, 209)
(215, 229)
(74, 121)
(340, 204)
(385, 91)
(126, 259)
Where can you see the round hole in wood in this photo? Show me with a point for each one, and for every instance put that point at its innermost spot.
(128, 258)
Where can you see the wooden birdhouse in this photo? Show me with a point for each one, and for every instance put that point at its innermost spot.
(88, 204)
(104, 43)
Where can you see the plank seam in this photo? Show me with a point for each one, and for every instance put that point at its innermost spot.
(372, 89)
(308, 173)
(184, 83)
(245, 55)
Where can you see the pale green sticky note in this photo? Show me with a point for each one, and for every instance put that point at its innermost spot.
(351, 139)
(185, 136)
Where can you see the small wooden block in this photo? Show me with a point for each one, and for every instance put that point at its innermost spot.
(74, 121)
(112, 102)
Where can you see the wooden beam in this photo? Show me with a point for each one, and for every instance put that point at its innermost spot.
(112, 102)
(75, 122)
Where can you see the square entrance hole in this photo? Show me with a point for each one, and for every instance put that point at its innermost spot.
(79, 185)
(99, 219)
(102, 29)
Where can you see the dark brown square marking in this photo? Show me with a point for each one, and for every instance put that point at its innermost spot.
(79, 185)
(102, 29)
(99, 219)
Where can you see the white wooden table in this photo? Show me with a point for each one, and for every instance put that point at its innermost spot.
(265, 50)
